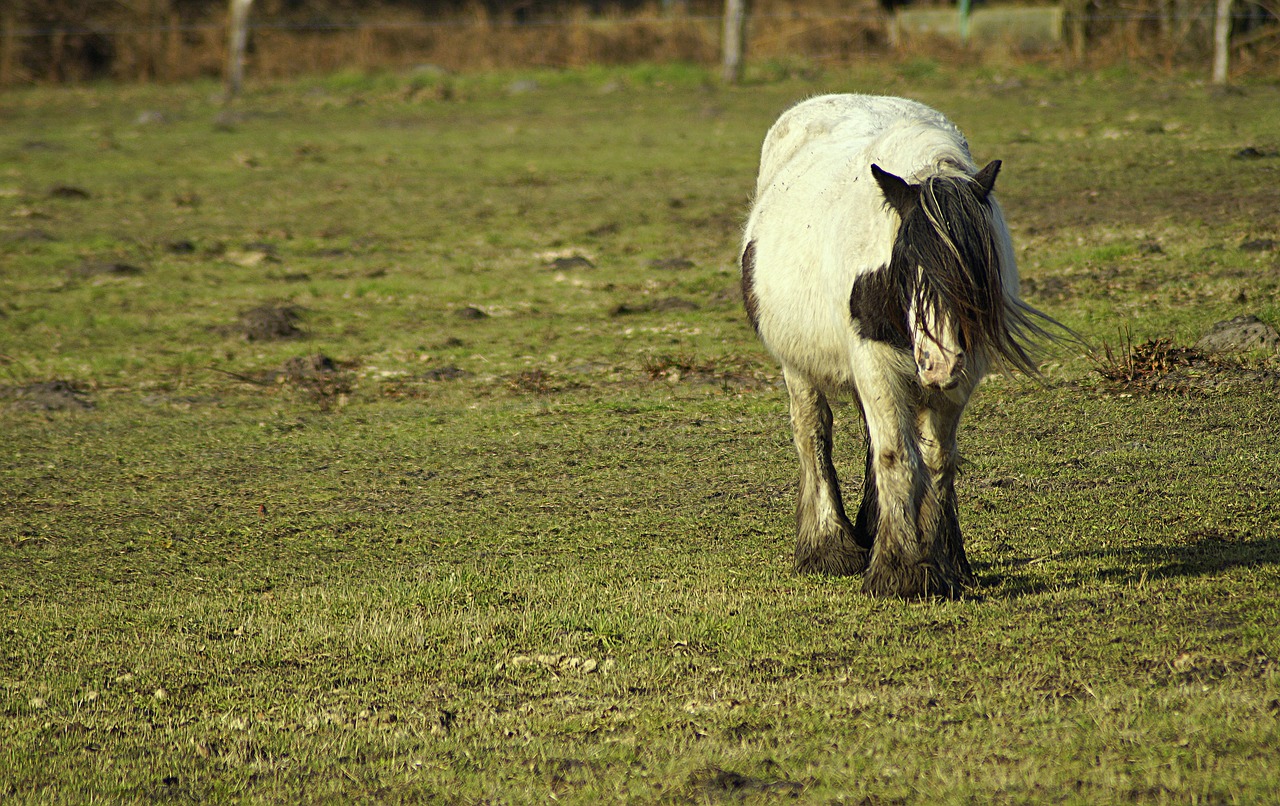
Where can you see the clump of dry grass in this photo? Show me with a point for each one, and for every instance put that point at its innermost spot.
(1160, 365)
(1143, 366)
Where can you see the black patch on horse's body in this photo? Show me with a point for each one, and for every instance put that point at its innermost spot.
(878, 303)
(749, 300)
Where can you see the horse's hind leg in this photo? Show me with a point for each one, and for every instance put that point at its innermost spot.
(824, 536)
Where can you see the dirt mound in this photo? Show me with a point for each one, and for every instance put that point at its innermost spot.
(1240, 335)
(271, 323)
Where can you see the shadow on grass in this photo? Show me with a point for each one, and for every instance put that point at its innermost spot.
(1201, 553)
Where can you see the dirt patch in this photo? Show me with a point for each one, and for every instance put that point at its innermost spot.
(539, 382)
(671, 264)
(445, 373)
(271, 323)
(1255, 153)
(729, 295)
(569, 263)
(110, 268)
(728, 373)
(713, 782)
(422, 386)
(1092, 279)
(306, 368)
(318, 376)
(72, 192)
(664, 305)
(1258, 245)
(1194, 668)
(1048, 289)
(1072, 206)
(47, 396)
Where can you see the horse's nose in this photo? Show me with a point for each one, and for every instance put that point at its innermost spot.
(939, 369)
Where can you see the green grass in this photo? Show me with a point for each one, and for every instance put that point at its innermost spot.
(544, 552)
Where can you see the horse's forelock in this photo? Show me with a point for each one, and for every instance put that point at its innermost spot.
(951, 239)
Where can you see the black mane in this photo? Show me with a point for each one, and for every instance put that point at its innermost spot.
(946, 260)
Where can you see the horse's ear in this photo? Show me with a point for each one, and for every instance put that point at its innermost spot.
(898, 193)
(986, 178)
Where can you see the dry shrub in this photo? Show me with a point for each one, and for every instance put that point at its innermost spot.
(1146, 364)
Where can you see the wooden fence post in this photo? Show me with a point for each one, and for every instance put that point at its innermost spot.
(238, 39)
(1222, 42)
(735, 29)
(1074, 10)
(8, 45)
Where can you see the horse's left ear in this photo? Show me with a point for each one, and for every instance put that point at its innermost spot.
(901, 195)
(986, 178)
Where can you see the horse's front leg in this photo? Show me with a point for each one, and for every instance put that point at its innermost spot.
(900, 496)
(824, 536)
(939, 420)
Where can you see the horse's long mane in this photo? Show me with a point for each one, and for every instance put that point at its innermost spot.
(947, 260)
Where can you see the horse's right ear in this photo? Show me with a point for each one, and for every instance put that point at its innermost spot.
(898, 193)
(986, 178)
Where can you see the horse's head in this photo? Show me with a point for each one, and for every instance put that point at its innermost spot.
(946, 264)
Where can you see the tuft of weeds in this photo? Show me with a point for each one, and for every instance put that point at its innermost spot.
(1143, 366)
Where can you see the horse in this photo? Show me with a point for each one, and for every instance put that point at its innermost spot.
(876, 263)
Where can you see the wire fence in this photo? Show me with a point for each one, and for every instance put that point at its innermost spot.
(174, 49)
(1254, 14)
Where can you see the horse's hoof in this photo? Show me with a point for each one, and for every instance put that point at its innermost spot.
(915, 582)
(833, 562)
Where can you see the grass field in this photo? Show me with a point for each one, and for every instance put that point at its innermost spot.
(401, 438)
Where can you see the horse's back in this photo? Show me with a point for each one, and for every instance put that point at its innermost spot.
(904, 135)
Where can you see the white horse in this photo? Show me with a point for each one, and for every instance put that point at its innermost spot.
(877, 263)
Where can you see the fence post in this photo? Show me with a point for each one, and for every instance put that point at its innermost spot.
(735, 27)
(238, 38)
(8, 44)
(1074, 11)
(1222, 42)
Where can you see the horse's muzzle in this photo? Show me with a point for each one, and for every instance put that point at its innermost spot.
(938, 368)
